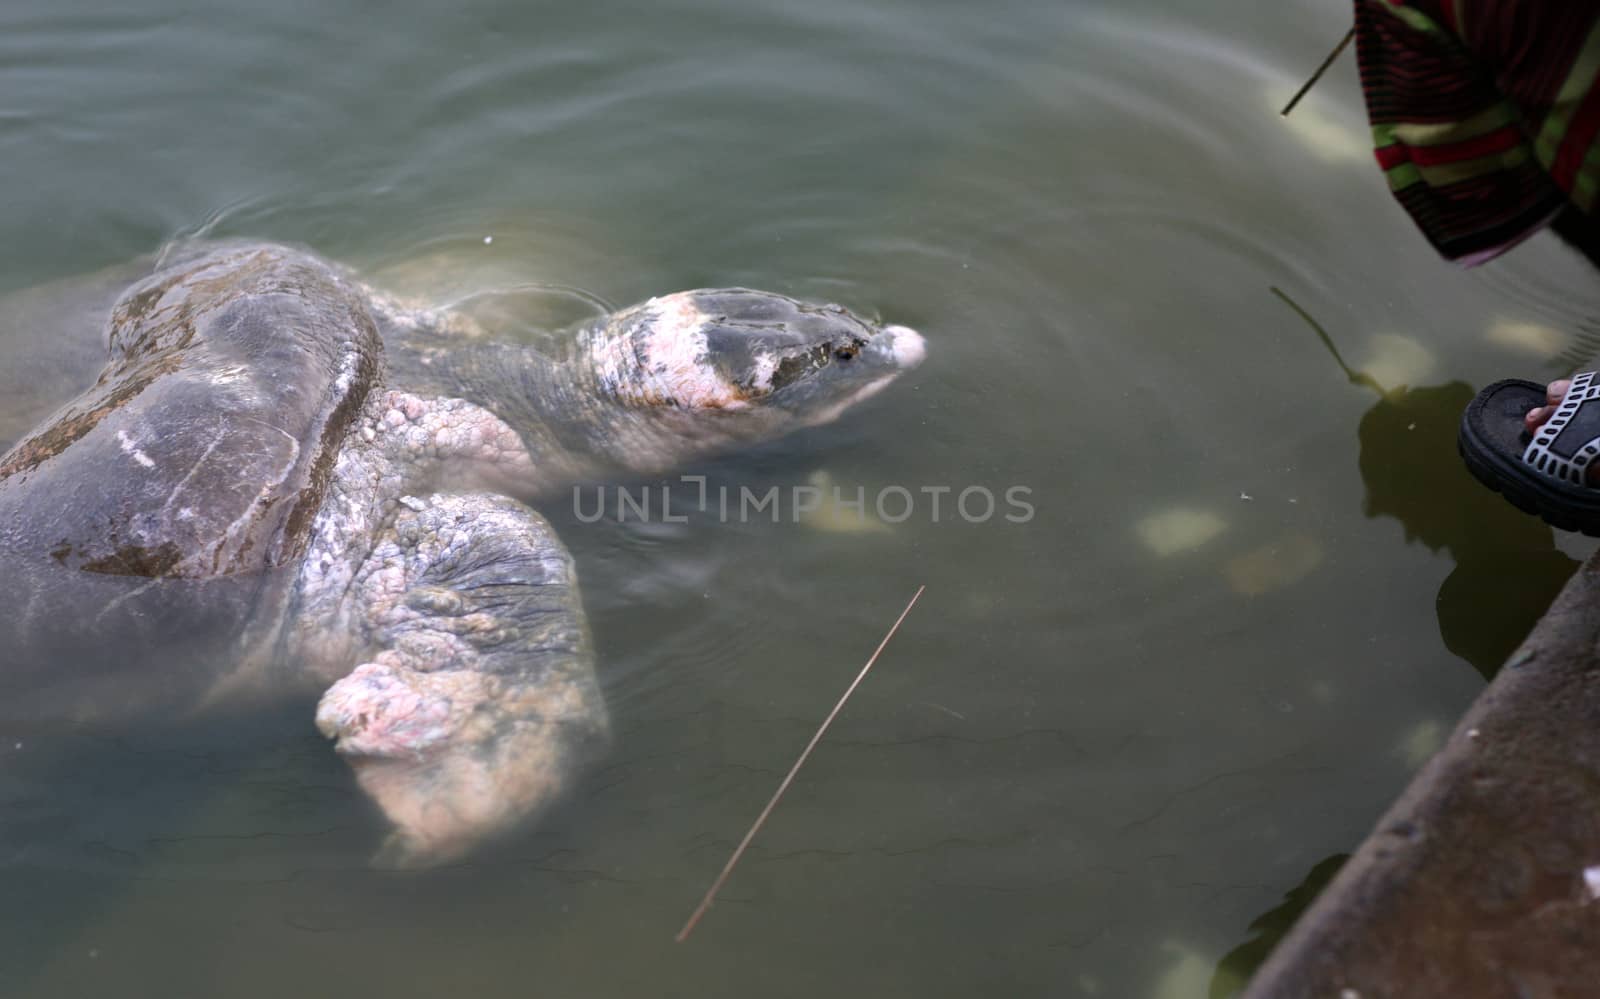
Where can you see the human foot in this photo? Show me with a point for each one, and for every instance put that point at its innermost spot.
(1537, 416)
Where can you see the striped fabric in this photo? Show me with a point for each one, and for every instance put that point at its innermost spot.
(1485, 113)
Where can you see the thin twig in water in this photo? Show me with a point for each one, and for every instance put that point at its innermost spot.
(761, 819)
(1356, 377)
(1318, 74)
(952, 713)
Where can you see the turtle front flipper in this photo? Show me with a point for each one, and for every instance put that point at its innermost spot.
(483, 699)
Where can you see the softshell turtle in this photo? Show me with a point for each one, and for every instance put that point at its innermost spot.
(284, 481)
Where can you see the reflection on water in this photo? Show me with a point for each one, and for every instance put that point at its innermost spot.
(1506, 574)
(1236, 967)
(1507, 566)
(1507, 571)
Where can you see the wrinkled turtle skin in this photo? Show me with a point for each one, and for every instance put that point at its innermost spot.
(284, 482)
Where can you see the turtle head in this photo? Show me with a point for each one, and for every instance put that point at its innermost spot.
(752, 363)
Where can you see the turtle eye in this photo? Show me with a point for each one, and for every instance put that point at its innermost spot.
(846, 352)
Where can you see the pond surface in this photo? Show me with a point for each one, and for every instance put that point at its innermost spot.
(1252, 598)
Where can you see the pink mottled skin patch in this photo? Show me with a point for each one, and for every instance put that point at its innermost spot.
(450, 756)
(420, 746)
(443, 804)
(667, 365)
(449, 429)
(381, 711)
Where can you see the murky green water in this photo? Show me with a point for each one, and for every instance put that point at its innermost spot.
(1253, 598)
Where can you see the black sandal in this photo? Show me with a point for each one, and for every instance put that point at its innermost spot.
(1544, 475)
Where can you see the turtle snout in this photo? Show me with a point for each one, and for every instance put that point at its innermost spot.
(901, 345)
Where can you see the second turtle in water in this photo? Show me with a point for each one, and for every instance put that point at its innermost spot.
(284, 481)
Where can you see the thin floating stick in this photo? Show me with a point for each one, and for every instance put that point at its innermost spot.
(1356, 377)
(761, 819)
(1318, 74)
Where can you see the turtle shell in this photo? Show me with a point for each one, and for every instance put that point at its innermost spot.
(206, 445)
(151, 528)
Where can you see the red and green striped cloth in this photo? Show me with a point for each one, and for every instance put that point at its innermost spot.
(1485, 113)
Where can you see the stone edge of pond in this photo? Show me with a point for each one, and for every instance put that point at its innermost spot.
(1474, 882)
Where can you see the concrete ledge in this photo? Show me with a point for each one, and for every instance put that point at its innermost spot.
(1473, 884)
